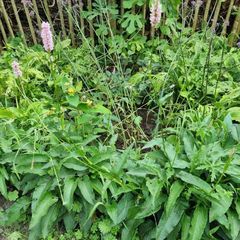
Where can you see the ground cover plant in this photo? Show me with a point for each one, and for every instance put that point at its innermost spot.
(126, 139)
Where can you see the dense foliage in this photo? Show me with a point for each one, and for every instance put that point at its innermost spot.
(132, 139)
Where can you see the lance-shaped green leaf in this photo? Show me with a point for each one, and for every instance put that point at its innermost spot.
(86, 189)
(185, 224)
(168, 222)
(70, 185)
(41, 209)
(193, 180)
(175, 192)
(199, 221)
(234, 224)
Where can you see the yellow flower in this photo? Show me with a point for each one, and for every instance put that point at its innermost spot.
(89, 102)
(71, 90)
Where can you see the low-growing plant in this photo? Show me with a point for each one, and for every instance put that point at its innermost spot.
(75, 151)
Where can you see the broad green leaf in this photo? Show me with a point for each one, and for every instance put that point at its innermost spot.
(49, 219)
(42, 209)
(130, 228)
(234, 223)
(150, 206)
(155, 186)
(193, 180)
(15, 212)
(168, 223)
(4, 173)
(98, 108)
(70, 185)
(185, 223)
(118, 211)
(39, 192)
(65, 43)
(86, 189)
(73, 100)
(73, 163)
(3, 187)
(221, 202)
(136, 78)
(93, 210)
(237, 203)
(6, 113)
(199, 222)
(189, 146)
(35, 73)
(69, 221)
(153, 143)
(13, 196)
(235, 113)
(175, 191)
(35, 233)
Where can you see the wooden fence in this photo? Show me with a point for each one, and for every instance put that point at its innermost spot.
(17, 18)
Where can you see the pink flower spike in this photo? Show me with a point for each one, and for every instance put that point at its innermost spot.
(16, 69)
(155, 13)
(27, 2)
(46, 36)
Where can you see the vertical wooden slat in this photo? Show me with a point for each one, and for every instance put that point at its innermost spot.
(70, 20)
(216, 14)
(3, 31)
(35, 7)
(81, 17)
(18, 19)
(206, 12)
(144, 9)
(112, 21)
(121, 12)
(89, 2)
(122, 8)
(195, 18)
(59, 3)
(226, 21)
(30, 24)
(234, 32)
(5, 15)
(48, 14)
(1, 46)
(185, 8)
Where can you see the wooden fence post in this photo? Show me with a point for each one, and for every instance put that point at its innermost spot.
(5, 15)
(81, 17)
(18, 20)
(90, 22)
(30, 24)
(48, 14)
(70, 20)
(195, 18)
(144, 10)
(216, 14)
(59, 3)
(3, 31)
(234, 32)
(206, 12)
(39, 21)
(226, 21)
